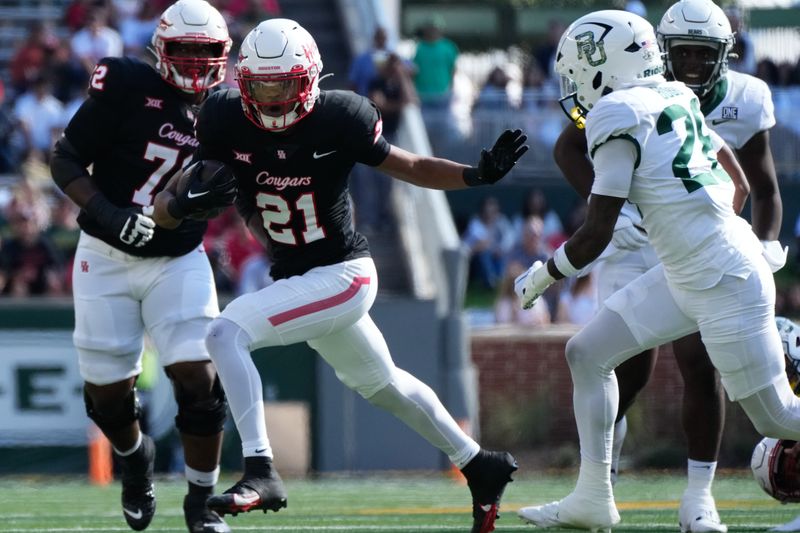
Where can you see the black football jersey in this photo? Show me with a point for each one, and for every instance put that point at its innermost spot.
(136, 131)
(297, 180)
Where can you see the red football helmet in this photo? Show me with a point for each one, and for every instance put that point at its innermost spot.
(776, 471)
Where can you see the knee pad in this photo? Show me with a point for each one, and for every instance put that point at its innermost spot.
(113, 417)
(200, 413)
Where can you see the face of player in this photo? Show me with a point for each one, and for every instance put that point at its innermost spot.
(693, 64)
(275, 97)
(191, 59)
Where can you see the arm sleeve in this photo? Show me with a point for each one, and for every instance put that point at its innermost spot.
(613, 168)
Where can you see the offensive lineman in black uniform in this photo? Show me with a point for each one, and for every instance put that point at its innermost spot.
(136, 128)
(291, 148)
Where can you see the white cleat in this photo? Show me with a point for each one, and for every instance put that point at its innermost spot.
(699, 514)
(794, 525)
(573, 512)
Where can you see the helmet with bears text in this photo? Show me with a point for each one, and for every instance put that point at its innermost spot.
(696, 37)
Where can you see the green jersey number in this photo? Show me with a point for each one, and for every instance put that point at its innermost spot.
(694, 132)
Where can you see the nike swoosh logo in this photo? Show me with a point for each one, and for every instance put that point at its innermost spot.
(486, 508)
(317, 156)
(191, 194)
(238, 499)
(135, 515)
(720, 121)
(261, 450)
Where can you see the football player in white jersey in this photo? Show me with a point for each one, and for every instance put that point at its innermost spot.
(649, 144)
(697, 38)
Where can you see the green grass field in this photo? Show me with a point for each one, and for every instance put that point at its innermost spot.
(424, 503)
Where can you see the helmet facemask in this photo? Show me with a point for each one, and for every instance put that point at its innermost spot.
(698, 63)
(193, 64)
(277, 101)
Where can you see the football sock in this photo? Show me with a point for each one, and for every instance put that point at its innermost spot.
(593, 480)
(620, 430)
(701, 475)
(133, 449)
(201, 482)
(229, 348)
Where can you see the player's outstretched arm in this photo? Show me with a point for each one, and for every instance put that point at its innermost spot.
(436, 173)
(727, 159)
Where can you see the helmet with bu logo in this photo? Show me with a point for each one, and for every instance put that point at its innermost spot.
(278, 74)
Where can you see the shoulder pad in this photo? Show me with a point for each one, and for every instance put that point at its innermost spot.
(117, 78)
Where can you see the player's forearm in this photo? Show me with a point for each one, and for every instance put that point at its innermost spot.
(429, 172)
(161, 214)
(767, 213)
(569, 153)
(742, 189)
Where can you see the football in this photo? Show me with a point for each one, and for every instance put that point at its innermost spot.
(203, 171)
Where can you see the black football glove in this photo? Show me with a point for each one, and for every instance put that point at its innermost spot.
(129, 224)
(496, 163)
(202, 196)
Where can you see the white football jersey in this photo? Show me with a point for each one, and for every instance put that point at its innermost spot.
(683, 194)
(738, 107)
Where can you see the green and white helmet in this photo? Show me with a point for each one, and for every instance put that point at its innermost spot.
(604, 51)
(696, 23)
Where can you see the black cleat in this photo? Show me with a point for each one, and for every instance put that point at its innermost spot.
(487, 476)
(201, 519)
(138, 494)
(264, 492)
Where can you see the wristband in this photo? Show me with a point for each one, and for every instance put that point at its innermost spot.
(562, 262)
(472, 177)
(100, 209)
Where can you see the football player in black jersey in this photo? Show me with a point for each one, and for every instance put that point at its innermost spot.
(135, 130)
(291, 147)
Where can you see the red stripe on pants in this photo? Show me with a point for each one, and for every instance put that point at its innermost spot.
(321, 305)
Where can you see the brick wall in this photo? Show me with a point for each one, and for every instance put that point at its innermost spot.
(526, 396)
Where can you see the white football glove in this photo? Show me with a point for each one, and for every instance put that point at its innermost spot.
(531, 284)
(627, 236)
(138, 229)
(775, 254)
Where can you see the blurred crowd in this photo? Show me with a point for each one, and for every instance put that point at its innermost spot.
(465, 100)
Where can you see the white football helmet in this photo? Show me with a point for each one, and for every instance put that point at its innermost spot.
(191, 45)
(775, 471)
(278, 74)
(696, 23)
(790, 338)
(601, 52)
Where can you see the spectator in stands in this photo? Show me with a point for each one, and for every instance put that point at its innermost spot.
(743, 53)
(77, 13)
(488, 237)
(237, 245)
(435, 62)
(31, 58)
(577, 304)
(535, 205)
(530, 247)
(12, 141)
(366, 65)
(136, 30)
(544, 54)
(41, 116)
(507, 308)
(494, 93)
(63, 231)
(29, 264)
(96, 41)
(534, 80)
(391, 89)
